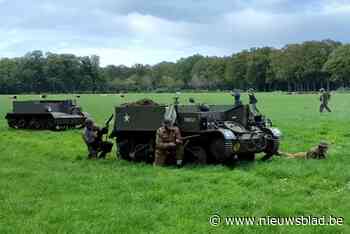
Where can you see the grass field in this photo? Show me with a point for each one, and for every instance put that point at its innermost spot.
(48, 186)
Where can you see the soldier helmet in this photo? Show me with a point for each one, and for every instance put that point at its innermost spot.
(167, 122)
(322, 90)
(89, 122)
(323, 145)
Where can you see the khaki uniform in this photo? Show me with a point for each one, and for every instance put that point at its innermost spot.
(313, 153)
(164, 149)
(324, 98)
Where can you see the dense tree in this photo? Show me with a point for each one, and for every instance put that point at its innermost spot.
(303, 67)
(338, 65)
(236, 70)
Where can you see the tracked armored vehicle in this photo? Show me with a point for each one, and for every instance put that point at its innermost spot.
(46, 114)
(212, 134)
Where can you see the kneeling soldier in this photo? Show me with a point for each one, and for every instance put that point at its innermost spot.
(93, 138)
(168, 144)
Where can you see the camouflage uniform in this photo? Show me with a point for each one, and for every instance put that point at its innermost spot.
(168, 145)
(324, 98)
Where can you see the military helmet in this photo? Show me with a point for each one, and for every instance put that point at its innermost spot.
(323, 145)
(167, 122)
(322, 90)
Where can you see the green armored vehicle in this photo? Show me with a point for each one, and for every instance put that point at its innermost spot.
(213, 134)
(46, 114)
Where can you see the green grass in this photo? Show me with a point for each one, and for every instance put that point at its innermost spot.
(48, 186)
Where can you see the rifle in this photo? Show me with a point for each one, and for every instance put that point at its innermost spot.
(108, 121)
(104, 130)
(187, 138)
(190, 137)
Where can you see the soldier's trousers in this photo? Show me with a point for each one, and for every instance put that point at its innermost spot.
(254, 109)
(324, 106)
(162, 156)
(294, 155)
(94, 148)
(92, 151)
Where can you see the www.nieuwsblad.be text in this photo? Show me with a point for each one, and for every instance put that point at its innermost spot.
(217, 220)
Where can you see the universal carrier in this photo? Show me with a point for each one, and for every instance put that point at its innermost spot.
(213, 134)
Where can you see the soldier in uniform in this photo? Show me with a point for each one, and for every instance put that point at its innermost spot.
(324, 99)
(168, 144)
(318, 152)
(253, 101)
(236, 94)
(92, 136)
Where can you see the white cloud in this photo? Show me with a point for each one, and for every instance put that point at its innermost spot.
(136, 31)
(335, 7)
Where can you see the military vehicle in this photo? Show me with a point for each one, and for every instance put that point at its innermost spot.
(46, 114)
(211, 133)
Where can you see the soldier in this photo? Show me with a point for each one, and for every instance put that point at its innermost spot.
(168, 144)
(324, 98)
(93, 139)
(318, 152)
(236, 94)
(253, 101)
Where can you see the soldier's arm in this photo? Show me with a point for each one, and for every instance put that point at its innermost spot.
(159, 142)
(178, 137)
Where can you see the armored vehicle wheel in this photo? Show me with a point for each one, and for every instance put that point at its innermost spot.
(47, 124)
(21, 123)
(218, 150)
(12, 123)
(271, 149)
(123, 151)
(199, 156)
(34, 124)
(37, 125)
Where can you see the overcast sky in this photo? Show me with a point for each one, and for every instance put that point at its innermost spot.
(151, 31)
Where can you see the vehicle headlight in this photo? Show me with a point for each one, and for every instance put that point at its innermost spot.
(276, 132)
(228, 135)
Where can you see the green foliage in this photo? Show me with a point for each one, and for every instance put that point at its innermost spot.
(299, 67)
(338, 65)
(48, 185)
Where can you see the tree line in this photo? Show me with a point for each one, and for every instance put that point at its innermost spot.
(307, 66)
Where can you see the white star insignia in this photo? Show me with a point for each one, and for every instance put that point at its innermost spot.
(126, 118)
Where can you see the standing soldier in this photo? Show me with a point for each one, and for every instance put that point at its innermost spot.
(324, 99)
(168, 144)
(92, 137)
(318, 152)
(253, 101)
(236, 94)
